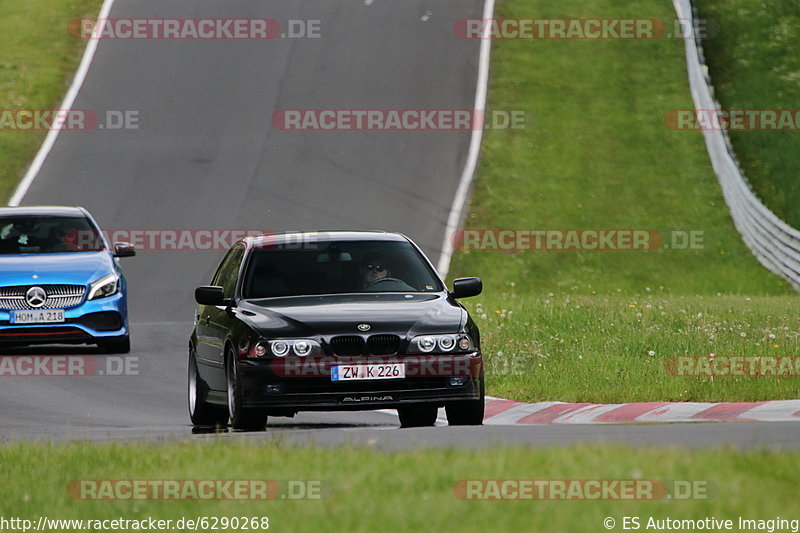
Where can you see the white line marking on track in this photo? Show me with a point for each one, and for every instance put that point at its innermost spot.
(66, 104)
(474, 148)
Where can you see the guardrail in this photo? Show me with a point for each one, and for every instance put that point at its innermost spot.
(774, 243)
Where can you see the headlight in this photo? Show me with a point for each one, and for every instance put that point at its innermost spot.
(279, 348)
(300, 347)
(426, 344)
(103, 287)
(446, 343)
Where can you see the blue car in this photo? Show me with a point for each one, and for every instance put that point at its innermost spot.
(59, 280)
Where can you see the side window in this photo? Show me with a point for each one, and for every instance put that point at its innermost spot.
(229, 270)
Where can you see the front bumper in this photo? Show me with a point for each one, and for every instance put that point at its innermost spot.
(87, 323)
(305, 384)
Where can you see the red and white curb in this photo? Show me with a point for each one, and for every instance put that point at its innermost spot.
(507, 412)
(500, 412)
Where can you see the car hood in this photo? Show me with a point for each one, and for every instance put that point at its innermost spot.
(77, 268)
(406, 315)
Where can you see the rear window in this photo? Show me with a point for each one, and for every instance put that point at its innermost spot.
(339, 267)
(48, 235)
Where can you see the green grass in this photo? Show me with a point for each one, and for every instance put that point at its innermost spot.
(570, 346)
(598, 155)
(37, 61)
(754, 64)
(369, 491)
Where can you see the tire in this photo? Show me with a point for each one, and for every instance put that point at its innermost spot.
(416, 416)
(241, 419)
(468, 412)
(201, 412)
(118, 345)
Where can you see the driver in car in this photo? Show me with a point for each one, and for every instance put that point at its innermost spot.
(376, 275)
(373, 267)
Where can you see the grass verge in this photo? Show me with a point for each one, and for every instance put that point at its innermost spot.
(570, 346)
(37, 62)
(364, 490)
(597, 155)
(754, 64)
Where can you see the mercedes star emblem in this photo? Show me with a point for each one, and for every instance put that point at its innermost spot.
(36, 297)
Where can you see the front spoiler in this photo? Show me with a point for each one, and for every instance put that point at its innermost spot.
(71, 331)
(454, 379)
(363, 401)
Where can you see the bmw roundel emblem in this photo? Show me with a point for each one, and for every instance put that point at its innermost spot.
(364, 327)
(36, 297)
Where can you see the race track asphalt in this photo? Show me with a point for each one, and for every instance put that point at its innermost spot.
(205, 156)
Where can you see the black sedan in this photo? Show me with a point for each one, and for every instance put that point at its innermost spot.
(332, 321)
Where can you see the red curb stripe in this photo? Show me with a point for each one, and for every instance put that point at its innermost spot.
(727, 411)
(495, 407)
(629, 412)
(548, 414)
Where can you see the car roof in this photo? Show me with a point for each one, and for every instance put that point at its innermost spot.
(43, 210)
(324, 236)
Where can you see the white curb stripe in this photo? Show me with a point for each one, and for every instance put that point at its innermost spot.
(786, 410)
(586, 415)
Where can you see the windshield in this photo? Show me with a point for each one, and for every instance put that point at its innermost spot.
(339, 267)
(47, 235)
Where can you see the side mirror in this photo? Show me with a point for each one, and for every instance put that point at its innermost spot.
(124, 249)
(466, 287)
(209, 295)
